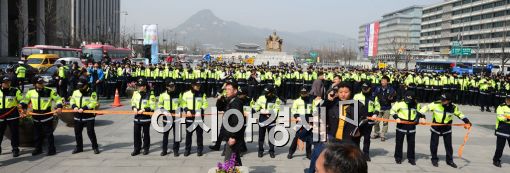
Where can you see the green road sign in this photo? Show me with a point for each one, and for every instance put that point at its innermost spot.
(457, 51)
(466, 51)
(314, 54)
(455, 44)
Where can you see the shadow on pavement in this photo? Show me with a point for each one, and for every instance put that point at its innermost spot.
(115, 146)
(262, 169)
(26, 155)
(378, 152)
(103, 123)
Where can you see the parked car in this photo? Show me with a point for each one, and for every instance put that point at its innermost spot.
(140, 60)
(70, 61)
(31, 71)
(42, 61)
(49, 76)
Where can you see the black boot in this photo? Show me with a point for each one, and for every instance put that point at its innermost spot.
(136, 152)
(51, 152)
(163, 153)
(271, 154)
(96, 151)
(412, 162)
(497, 163)
(453, 165)
(15, 153)
(435, 164)
(77, 150)
(214, 148)
(36, 152)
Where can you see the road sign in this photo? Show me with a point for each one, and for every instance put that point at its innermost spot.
(455, 43)
(457, 51)
(314, 54)
(466, 51)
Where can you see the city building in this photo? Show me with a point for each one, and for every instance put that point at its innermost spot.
(481, 25)
(57, 22)
(397, 33)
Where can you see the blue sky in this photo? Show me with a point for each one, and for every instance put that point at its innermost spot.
(338, 16)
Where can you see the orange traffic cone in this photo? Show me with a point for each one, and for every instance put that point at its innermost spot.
(116, 100)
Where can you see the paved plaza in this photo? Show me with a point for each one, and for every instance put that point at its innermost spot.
(114, 133)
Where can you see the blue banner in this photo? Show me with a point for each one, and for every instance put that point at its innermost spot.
(150, 37)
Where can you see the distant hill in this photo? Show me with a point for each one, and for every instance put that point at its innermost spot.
(206, 28)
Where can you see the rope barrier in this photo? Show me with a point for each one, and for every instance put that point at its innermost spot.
(466, 126)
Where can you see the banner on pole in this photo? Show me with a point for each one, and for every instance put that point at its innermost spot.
(371, 39)
(150, 37)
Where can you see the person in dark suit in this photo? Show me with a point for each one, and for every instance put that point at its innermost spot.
(233, 138)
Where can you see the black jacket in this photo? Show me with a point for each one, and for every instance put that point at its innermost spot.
(233, 121)
(332, 118)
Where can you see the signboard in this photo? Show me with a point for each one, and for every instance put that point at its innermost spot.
(466, 51)
(455, 43)
(314, 54)
(150, 37)
(457, 51)
(371, 39)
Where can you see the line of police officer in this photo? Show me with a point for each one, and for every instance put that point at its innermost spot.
(483, 91)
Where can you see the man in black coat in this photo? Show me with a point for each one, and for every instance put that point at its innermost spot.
(337, 128)
(233, 138)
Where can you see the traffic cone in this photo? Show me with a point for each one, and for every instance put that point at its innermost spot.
(116, 100)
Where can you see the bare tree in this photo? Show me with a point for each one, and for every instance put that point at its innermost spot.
(504, 55)
(196, 48)
(399, 46)
(22, 26)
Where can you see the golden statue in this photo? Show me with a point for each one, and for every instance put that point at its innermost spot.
(274, 43)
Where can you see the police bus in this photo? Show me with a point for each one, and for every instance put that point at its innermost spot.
(49, 49)
(427, 66)
(96, 53)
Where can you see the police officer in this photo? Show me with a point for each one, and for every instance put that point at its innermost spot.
(41, 98)
(502, 130)
(62, 79)
(194, 102)
(123, 75)
(143, 100)
(84, 98)
(170, 101)
(407, 115)
(442, 114)
(484, 95)
(110, 77)
(9, 116)
(21, 72)
(373, 108)
(303, 107)
(265, 104)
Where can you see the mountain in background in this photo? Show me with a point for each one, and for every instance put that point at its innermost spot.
(206, 28)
